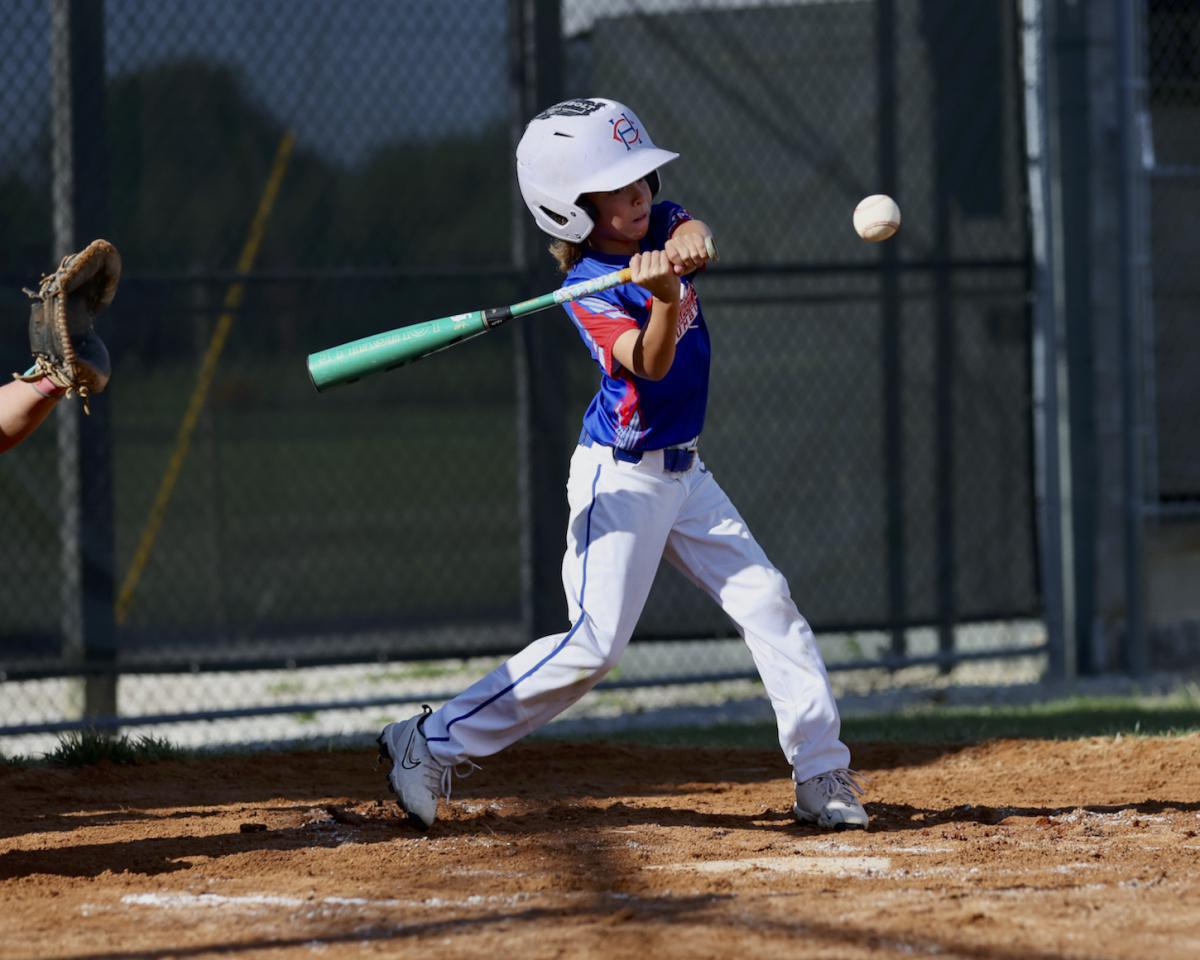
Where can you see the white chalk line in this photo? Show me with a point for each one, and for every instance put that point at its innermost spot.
(193, 901)
(838, 866)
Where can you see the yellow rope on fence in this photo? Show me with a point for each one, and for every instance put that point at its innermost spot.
(208, 369)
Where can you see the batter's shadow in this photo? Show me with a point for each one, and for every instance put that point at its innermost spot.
(156, 855)
(614, 817)
(885, 817)
(901, 817)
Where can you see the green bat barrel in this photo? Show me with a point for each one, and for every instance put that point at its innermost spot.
(386, 351)
(395, 348)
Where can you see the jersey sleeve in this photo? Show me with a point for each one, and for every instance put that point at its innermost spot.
(665, 219)
(601, 320)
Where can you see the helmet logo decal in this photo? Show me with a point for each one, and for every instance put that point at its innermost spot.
(571, 108)
(626, 131)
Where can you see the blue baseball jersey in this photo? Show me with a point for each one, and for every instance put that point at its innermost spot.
(629, 412)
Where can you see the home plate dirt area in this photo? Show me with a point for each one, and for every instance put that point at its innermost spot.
(1006, 850)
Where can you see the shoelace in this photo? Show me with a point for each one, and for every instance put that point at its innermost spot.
(440, 779)
(446, 778)
(842, 785)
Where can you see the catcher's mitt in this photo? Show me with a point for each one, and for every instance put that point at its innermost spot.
(66, 348)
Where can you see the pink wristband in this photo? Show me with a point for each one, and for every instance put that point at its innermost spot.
(48, 388)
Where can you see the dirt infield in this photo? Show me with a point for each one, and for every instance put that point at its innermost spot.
(1009, 850)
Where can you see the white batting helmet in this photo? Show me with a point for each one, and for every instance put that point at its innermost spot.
(577, 147)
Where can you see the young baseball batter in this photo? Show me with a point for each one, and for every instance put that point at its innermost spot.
(637, 490)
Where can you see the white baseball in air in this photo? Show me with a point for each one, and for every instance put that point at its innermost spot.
(876, 217)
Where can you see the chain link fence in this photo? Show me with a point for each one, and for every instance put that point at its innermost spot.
(329, 558)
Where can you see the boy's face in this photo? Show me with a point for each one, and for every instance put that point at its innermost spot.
(622, 215)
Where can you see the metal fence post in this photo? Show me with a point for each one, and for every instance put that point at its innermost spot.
(536, 44)
(889, 305)
(80, 200)
(1050, 429)
(1135, 265)
(945, 135)
(1072, 177)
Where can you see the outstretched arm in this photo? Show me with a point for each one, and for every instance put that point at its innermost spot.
(650, 351)
(22, 407)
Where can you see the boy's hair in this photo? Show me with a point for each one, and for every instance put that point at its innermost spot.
(566, 253)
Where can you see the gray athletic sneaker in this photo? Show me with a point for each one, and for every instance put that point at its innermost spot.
(417, 780)
(831, 800)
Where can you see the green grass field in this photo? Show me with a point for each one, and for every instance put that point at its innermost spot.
(1174, 715)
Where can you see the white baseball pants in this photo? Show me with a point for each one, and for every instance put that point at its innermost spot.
(624, 518)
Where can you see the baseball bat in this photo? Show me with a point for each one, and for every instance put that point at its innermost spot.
(395, 348)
